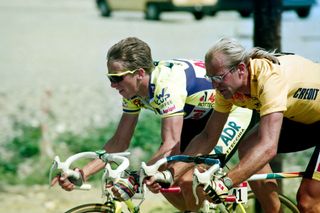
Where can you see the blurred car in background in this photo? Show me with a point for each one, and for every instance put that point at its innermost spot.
(199, 8)
(153, 8)
(245, 7)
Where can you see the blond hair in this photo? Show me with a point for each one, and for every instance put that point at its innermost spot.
(235, 53)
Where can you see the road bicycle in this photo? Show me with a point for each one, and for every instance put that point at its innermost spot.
(111, 175)
(245, 199)
(240, 199)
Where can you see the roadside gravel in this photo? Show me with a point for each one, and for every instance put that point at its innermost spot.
(41, 199)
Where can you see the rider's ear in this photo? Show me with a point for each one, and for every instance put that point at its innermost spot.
(141, 73)
(241, 68)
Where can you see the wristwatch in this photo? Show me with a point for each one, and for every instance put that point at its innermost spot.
(227, 181)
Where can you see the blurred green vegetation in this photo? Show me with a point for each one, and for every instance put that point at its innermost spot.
(23, 162)
(22, 147)
(23, 159)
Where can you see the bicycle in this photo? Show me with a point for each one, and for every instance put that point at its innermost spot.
(112, 204)
(152, 170)
(245, 201)
(239, 199)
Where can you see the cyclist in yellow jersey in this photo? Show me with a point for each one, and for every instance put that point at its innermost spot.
(177, 91)
(285, 90)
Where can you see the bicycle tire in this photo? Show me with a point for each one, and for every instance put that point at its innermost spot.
(93, 207)
(287, 205)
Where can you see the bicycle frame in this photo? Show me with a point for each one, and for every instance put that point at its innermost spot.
(109, 175)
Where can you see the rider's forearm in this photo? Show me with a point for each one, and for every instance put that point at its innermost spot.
(165, 151)
(92, 168)
(258, 149)
(252, 162)
(203, 143)
(200, 145)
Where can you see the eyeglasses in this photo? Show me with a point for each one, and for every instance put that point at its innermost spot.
(118, 77)
(218, 78)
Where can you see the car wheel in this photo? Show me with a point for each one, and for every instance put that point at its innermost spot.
(103, 8)
(303, 12)
(213, 13)
(244, 13)
(152, 12)
(198, 15)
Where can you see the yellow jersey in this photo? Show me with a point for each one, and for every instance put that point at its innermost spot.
(291, 87)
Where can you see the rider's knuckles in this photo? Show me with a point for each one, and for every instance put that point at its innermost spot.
(54, 181)
(66, 185)
(155, 188)
(149, 180)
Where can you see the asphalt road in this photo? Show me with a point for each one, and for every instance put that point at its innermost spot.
(52, 55)
(52, 43)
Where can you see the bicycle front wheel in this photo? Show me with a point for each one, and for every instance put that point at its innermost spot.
(95, 207)
(252, 206)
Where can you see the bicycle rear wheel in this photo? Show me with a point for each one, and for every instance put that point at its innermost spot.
(95, 207)
(287, 205)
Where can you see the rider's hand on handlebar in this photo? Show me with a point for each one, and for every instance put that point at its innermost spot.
(160, 180)
(216, 190)
(68, 183)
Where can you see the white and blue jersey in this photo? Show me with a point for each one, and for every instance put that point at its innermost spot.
(176, 87)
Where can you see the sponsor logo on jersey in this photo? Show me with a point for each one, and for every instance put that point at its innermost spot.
(169, 109)
(162, 97)
(167, 106)
(165, 103)
(206, 100)
(306, 93)
(230, 132)
(198, 113)
(138, 102)
(230, 136)
(199, 64)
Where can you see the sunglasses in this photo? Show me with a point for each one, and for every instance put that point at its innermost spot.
(218, 78)
(118, 77)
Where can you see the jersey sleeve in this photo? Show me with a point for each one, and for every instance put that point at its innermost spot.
(132, 106)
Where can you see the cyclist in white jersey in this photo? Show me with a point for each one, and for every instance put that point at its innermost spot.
(178, 92)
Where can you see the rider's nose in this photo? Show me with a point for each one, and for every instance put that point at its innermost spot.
(114, 84)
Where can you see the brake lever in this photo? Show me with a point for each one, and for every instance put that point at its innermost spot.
(195, 184)
(203, 178)
(64, 167)
(53, 168)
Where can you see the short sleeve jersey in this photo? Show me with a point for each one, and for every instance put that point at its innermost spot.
(291, 87)
(176, 87)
